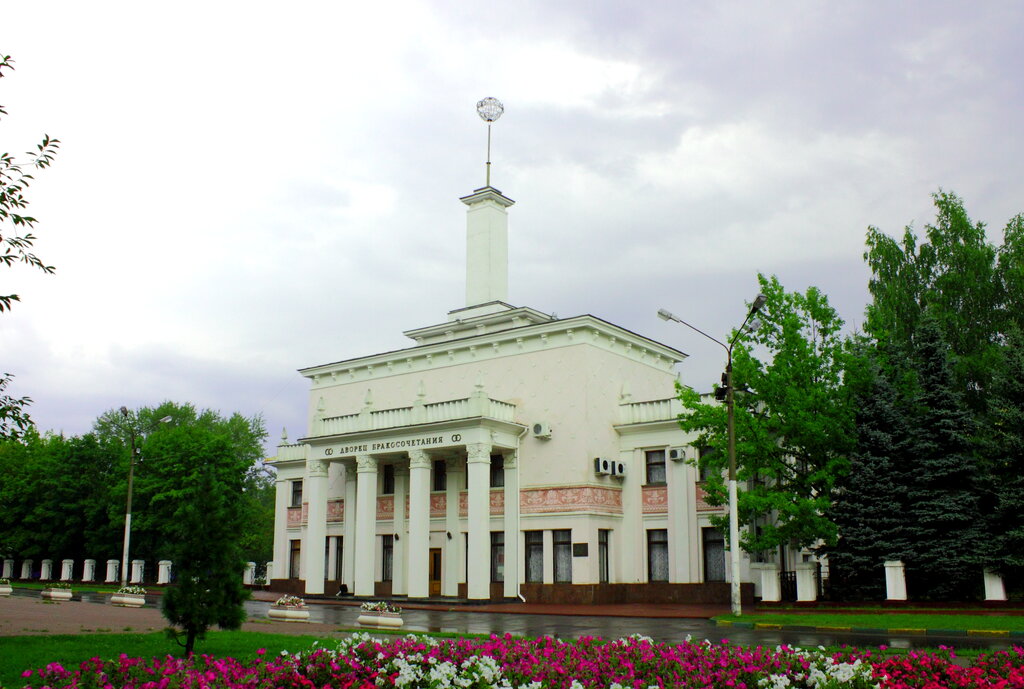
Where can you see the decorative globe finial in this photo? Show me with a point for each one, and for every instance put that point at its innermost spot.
(489, 109)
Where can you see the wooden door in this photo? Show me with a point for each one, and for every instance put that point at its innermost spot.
(435, 571)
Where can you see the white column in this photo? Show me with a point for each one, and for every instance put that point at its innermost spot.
(366, 525)
(478, 515)
(680, 512)
(418, 551)
(46, 572)
(26, 569)
(138, 567)
(994, 589)
(398, 568)
(806, 581)
(249, 573)
(112, 571)
(453, 557)
(895, 580)
(282, 500)
(629, 536)
(315, 493)
(89, 570)
(163, 572)
(348, 543)
(8, 569)
(511, 588)
(65, 569)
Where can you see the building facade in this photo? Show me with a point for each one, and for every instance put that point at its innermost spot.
(506, 454)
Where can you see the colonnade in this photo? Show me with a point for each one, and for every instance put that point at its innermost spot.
(411, 566)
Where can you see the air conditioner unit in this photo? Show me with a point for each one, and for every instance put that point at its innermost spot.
(619, 469)
(541, 430)
(677, 454)
(602, 465)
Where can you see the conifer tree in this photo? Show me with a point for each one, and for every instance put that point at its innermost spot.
(943, 511)
(870, 504)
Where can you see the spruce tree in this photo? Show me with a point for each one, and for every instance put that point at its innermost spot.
(870, 505)
(943, 512)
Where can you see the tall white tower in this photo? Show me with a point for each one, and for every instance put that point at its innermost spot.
(487, 229)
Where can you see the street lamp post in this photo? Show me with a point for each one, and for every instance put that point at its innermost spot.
(128, 508)
(734, 523)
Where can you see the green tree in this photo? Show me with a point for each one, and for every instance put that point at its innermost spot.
(16, 240)
(793, 422)
(870, 502)
(203, 483)
(943, 518)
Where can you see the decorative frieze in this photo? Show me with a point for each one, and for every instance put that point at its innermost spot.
(571, 499)
(655, 499)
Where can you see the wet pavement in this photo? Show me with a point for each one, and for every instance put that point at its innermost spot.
(474, 620)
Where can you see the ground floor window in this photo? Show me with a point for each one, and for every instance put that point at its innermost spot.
(294, 559)
(602, 555)
(534, 557)
(562, 541)
(388, 556)
(497, 556)
(714, 554)
(657, 555)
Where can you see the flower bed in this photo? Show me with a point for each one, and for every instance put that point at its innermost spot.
(289, 609)
(362, 662)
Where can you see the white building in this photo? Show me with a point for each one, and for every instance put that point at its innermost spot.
(505, 453)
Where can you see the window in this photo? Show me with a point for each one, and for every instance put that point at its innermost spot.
(388, 559)
(294, 559)
(657, 555)
(388, 480)
(296, 493)
(497, 471)
(497, 556)
(655, 460)
(534, 557)
(562, 540)
(714, 554)
(706, 453)
(602, 555)
(440, 475)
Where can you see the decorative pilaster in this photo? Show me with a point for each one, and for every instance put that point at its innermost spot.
(478, 475)
(419, 524)
(366, 523)
(399, 576)
(511, 589)
(315, 492)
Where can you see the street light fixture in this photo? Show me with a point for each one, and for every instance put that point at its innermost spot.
(734, 524)
(128, 508)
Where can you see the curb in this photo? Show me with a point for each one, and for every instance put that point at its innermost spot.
(990, 633)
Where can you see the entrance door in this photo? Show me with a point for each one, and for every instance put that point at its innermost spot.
(435, 571)
(714, 555)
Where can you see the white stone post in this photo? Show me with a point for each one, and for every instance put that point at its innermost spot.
(65, 570)
(453, 538)
(511, 585)
(249, 574)
(418, 550)
(771, 589)
(89, 570)
(26, 569)
(8, 569)
(399, 575)
(895, 580)
(316, 525)
(806, 581)
(994, 588)
(46, 573)
(478, 515)
(270, 573)
(348, 544)
(112, 571)
(138, 568)
(163, 572)
(366, 524)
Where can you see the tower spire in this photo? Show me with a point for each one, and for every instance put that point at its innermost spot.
(489, 109)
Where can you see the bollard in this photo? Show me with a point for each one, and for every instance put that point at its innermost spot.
(113, 567)
(89, 570)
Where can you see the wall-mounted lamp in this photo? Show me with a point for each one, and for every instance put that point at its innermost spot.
(397, 537)
(449, 534)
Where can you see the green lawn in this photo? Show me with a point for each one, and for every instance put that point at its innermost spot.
(21, 653)
(885, 621)
(75, 586)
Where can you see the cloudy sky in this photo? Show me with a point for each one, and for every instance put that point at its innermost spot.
(248, 188)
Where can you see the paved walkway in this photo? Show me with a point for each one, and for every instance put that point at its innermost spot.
(26, 613)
